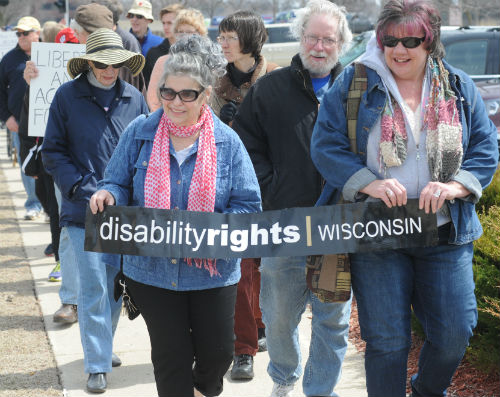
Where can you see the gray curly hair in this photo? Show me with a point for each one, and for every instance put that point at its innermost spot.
(197, 57)
(321, 7)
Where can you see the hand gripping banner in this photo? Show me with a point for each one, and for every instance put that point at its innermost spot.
(334, 229)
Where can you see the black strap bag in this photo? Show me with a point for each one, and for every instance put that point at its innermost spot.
(329, 276)
(32, 164)
(121, 290)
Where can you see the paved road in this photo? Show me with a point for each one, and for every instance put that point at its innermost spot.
(135, 376)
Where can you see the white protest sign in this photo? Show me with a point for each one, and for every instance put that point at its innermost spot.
(51, 60)
(8, 40)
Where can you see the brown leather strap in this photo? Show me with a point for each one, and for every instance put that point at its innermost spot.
(358, 86)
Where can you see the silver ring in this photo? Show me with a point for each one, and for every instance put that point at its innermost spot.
(437, 193)
(389, 192)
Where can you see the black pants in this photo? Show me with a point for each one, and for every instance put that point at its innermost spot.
(187, 327)
(45, 191)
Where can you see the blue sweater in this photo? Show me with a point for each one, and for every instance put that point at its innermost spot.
(81, 137)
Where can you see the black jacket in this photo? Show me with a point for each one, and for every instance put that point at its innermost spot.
(275, 122)
(12, 84)
(152, 56)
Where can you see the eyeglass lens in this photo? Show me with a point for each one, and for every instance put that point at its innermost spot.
(100, 65)
(408, 42)
(185, 95)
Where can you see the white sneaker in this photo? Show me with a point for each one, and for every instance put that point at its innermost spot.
(31, 215)
(282, 390)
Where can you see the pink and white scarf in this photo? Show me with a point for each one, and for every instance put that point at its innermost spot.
(201, 195)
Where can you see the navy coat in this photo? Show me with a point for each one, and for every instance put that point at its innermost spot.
(80, 139)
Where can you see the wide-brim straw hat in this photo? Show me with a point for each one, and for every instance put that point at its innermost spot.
(106, 46)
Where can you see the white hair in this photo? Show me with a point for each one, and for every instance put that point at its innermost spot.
(322, 7)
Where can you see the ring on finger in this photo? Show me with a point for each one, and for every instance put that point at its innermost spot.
(389, 192)
(437, 193)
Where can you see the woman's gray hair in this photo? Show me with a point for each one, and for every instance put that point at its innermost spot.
(197, 57)
(321, 7)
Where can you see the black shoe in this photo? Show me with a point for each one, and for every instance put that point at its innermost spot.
(115, 360)
(242, 367)
(49, 250)
(97, 383)
(262, 342)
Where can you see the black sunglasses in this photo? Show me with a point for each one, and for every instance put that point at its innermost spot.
(185, 95)
(26, 33)
(130, 16)
(100, 65)
(408, 42)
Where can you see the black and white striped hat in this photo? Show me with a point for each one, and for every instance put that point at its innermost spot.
(106, 46)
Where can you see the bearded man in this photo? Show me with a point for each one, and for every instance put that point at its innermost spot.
(275, 122)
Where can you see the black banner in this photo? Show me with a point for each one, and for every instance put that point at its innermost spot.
(290, 232)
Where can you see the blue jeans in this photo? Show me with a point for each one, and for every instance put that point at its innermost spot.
(68, 292)
(438, 283)
(32, 202)
(283, 298)
(98, 313)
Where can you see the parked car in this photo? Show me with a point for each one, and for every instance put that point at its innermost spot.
(285, 16)
(216, 20)
(280, 46)
(490, 92)
(267, 19)
(359, 23)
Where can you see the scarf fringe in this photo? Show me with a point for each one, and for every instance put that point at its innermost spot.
(393, 141)
(208, 264)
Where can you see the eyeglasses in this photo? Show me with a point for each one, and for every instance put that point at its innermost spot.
(26, 33)
(408, 42)
(130, 16)
(313, 40)
(102, 66)
(184, 95)
(228, 39)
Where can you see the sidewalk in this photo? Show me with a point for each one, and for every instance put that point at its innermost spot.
(135, 377)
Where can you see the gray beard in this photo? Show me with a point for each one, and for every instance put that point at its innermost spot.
(315, 70)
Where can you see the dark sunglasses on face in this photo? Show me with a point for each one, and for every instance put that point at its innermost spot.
(100, 65)
(19, 34)
(408, 42)
(130, 16)
(185, 95)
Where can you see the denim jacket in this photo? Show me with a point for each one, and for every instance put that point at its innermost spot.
(237, 191)
(343, 169)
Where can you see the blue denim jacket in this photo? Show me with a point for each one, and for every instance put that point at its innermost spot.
(332, 156)
(237, 191)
